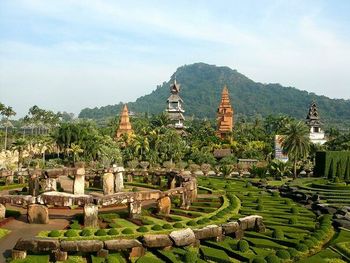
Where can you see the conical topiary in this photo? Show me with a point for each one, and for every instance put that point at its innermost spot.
(347, 170)
(330, 171)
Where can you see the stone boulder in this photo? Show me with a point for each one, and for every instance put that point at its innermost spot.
(164, 205)
(89, 245)
(121, 244)
(230, 227)
(18, 254)
(38, 214)
(207, 232)
(108, 184)
(60, 255)
(91, 216)
(69, 246)
(28, 244)
(259, 225)
(47, 244)
(2, 211)
(183, 237)
(152, 241)
(248, 222)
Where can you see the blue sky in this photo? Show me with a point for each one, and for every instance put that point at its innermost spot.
(71, 54)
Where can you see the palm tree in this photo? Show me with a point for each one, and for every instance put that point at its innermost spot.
(19, 145)
(75, 149)
(296, 142)
(7, 112)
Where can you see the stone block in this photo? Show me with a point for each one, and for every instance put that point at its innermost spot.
(69, 246)
(29, 244)
(49, 184)
(33, 185)
(79, 182)
(230, 227)
(238, 234)
(47, 244)
(248, 222)
(119, 180)
(89, 245)
(121, 244)
(208, 232)
(21, 179)
(164, 205)
(183, 237)
(9, 180)
(135, 209)
(60, 255)
(108, 184)
(103, 253)
(137, 252)
(18, 254)
(38, 214)
(2, 211)
(259, 225)
(156, 241)
(91, 216)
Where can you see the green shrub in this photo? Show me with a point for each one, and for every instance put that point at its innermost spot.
(113, 232)
(178, 225)
(248, 185)
(283, 254)
(134, 189)
(278, 233)
(275, 194)
(190, 256)
(71, 233)
(294, 210)
(146, 221)
(201, 222)
(142, 229)
(114, 225)
(191, 223)
(127, 231)
(12, 213)
(259, 201)
(287, 202)
(243, 245)
(167, 226)
(292, 221)
(75, 225)
(301, 247)
(292, 251)
(259, 260)
(157, 227)
(260, 207)
(214, 218)
(86, 233)
(272, 259)
(54, 233)
(101, 232)
(309, 243)
(250, 194)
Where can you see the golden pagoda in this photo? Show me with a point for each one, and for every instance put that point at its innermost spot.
(124, 125)
(224, 115)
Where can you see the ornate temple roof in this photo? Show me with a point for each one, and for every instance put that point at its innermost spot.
(124, 125)
(224, 114)
(313, 118)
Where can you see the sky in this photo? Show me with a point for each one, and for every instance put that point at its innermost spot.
(65, 55)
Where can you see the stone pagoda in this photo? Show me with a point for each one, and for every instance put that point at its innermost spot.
(313, 121)
(175, 110)
(224, 115)
(124, 125)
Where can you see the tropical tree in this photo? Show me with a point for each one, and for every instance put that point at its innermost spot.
(19, 145)
(296, 142)
(75, 150)
(7, 112)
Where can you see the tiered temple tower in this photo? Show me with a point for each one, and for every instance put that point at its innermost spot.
(175, 110)
(313, 121)
(124, 125)
(224, 115)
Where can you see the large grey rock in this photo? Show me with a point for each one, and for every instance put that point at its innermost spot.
(183, 237)
(160, 240)
(121, 244)
(230, 227)
(248, 222)
(37, 214)
(207, 232)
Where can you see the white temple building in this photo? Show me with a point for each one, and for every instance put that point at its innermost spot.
(317, 135)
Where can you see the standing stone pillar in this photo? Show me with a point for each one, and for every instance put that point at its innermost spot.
(37, 214)
(34, 183)
(108, 183)
(79, 181)
(164, 205)
(135, 208)
(9, 179)
(50, 184)
(91, 216)
(185, 200)
(119, 179)
(130, 177)
(2, 211)
(21, 179)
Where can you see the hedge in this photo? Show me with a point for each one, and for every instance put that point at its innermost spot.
(214, 255)
(327, 164)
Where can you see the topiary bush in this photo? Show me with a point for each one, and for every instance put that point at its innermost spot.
(113, 232)
(259, 260)
(178, 225)
(272, 259)
(157, 227)
(167, 226)
(260, 207)
(71, 233)
(294, 210)
(301, 247)
(190, 256)
(283, 254)
(278, 233)
(275, 194)
(101, 232)
(292, 221)
(292, 252)
(86, 233)
(142, 229)
(128, 231)
(243, 245)
(191, 223)
(54, 233)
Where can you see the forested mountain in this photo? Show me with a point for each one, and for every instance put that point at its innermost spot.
(201, 86)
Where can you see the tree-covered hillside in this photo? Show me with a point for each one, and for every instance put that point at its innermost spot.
(201, 86)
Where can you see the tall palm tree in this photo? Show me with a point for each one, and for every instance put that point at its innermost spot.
(19, 145)
(7, 112)
(75, 149)
(296, 142)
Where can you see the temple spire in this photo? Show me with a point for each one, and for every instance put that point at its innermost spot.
(124, 124)
(224, 115)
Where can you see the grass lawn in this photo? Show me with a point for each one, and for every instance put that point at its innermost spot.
(3, 232)
(34, 259)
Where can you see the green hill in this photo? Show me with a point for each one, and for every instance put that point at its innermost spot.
(201, 86)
